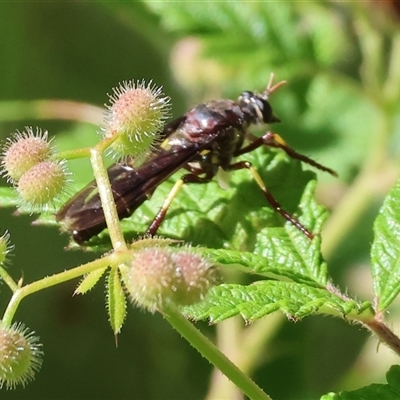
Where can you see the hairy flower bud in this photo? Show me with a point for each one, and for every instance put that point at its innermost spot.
(23, 151)
(164, 275)
(136, 114)
(42, 183)
(20, 356)
(5, 247)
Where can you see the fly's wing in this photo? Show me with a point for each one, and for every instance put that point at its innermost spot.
(85, 206)
(83, 215)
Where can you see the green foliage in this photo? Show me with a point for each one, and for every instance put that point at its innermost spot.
(340, 106)
(116, 303)
(89, 281)
(389, 391)
(261, 298)
(385, 252)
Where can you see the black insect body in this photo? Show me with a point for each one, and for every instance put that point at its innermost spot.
(206, 138)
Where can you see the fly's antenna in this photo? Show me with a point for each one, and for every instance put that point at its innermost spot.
(271, 87)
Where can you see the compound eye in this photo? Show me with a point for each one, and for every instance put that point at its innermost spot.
(268, 114)
(266, 110)
(262, 109)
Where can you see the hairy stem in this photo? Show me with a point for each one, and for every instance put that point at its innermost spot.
(56, 279)
(8, 280)
(106, 197)
(385, 335)
(213, 355)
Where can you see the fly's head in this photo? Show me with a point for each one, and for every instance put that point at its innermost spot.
(257, 107)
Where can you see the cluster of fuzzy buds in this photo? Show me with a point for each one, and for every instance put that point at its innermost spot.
(5, 247)
(27, 162)
(160, 276)
(135, 117)
(156, 278)
(20, 356)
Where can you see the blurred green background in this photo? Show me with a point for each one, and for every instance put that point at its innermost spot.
(341, 106)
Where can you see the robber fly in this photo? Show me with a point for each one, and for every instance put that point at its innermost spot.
(206, 138)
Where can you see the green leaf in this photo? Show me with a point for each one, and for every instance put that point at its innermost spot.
(116, 301)
(389, 391)
(88, 282)
(261, 298)
(385, 252)
(232, 33)
(291, 249)
(256, 264)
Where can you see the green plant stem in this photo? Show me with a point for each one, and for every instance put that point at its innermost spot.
(229, 336)
(346, 214)
(50, 109)
(213, 355)
(246, 346)
(384, 333)
(21, 293)
(255, 339)
(391, 88)
(104, 187)
(8, 280)
(371, 46)
(73, 154)
(106, 197)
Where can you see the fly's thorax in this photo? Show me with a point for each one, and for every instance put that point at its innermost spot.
(207, 121)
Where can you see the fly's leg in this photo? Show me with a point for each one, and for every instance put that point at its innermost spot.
(271, 199)
(274, 140)
(188, 178)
